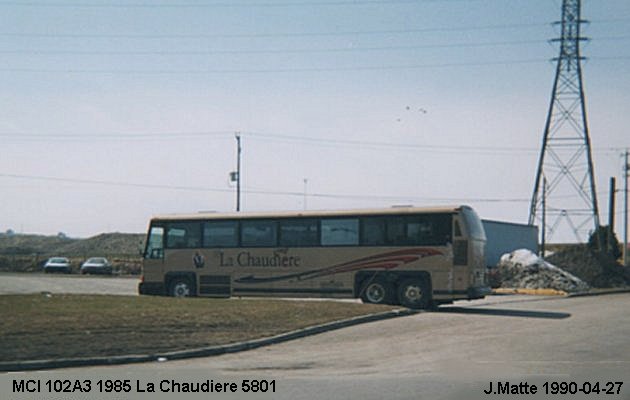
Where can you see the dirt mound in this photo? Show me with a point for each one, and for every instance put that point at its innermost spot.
(523, 269)
(28, 253)
(106, 243)
(118, 244)
(32, 244)
(597, 269)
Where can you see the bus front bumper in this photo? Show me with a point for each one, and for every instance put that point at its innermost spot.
(151, 288)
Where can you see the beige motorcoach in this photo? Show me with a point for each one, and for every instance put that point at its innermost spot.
(416, 257)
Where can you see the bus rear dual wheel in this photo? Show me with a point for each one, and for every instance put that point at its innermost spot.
(411, 293)
(414, 293)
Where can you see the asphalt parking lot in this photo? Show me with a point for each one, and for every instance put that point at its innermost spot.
(452, 353)
(14, 283)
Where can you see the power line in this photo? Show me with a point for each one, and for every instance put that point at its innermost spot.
(260, 191)
(363, 68)
(270, 192)
(116, 136)
(258, 4)
(267, 51)
(114, 183)
(269, 35)
(70, 35)
(54, 52)
(265, 137)
(286, 138)
(382, 145)
(359, 68)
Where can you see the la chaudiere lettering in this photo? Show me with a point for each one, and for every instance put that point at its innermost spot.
(247, 259)
(171, 386)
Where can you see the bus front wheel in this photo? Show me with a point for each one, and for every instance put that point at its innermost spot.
(377, 291)
(414, 293)
(181, 287)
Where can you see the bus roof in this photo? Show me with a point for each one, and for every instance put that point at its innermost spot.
(310, 213)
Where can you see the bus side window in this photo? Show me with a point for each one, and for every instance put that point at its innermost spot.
(373, 231)
(155, 244)
(340, 232)
(458, 230)
(396, 231)
(429, 230)
(261, 233)
(298, 233)
(220, 234)
(184, 235)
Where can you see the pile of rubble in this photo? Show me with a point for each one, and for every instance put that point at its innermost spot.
(524, 269)
(599, 270)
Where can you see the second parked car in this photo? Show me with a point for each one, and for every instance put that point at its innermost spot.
(96, 265)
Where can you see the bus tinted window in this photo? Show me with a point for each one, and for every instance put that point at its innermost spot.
(258, 233)
(430, 230)
(407, 230)
(340, 232)
(220, 234)
(373, 231)
(298, 233)
(396, 231)
(183, 235)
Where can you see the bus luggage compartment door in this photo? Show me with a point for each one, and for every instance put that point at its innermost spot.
(215, 285)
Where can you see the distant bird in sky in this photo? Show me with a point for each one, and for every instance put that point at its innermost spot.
(408, 108)
(422, 110)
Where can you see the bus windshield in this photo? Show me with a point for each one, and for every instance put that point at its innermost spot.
(473, 223)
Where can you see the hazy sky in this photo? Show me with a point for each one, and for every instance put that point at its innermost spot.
(113, 111)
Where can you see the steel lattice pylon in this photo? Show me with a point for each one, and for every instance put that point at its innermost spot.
(565, 165)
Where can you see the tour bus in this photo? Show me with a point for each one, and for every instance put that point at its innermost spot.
(415, 257)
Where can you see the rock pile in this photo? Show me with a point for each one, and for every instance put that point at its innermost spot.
(597, 269)
(524, 269)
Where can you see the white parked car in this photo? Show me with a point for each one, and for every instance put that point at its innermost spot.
(58, 264)
(96, 265)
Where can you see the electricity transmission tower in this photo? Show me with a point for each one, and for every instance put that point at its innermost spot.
(565, 163)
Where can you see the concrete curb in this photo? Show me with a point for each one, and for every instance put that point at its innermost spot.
(554, 292)
(534, 292)
(599, 292)
(200, 352)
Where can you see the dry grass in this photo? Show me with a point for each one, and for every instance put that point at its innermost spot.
(43, 326)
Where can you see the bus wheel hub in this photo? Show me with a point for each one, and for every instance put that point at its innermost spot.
(413, 293)
(375, 293)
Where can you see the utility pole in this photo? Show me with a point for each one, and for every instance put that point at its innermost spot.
(611, 204)
(611, 214)
(305, 186)
(543, 237)
(626, 167)
(238, 171)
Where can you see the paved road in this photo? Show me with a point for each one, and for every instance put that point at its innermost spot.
(60, 283)
(454, 353)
